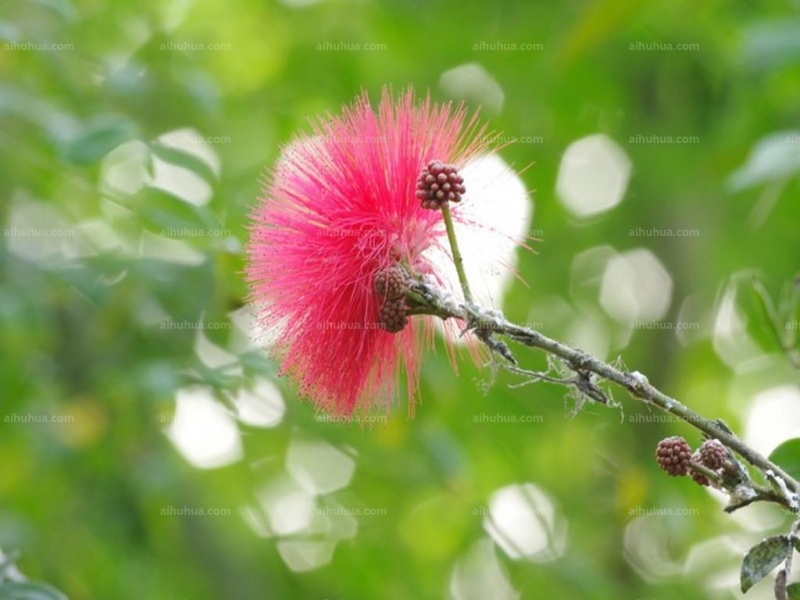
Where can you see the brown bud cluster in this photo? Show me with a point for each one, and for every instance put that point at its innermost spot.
(673, 455)
(393, 315)
(713, 454)
(697, 476)
(391, 285)
(439, 183)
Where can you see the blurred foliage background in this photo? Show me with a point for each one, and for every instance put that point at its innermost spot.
(144, 457)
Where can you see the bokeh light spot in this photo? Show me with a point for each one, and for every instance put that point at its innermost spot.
(479, 574)
(523, 521)
(261, 405)
(474, 83)
(636, 287)
(593, 175)
(202, 430)
(319, 467)
(773, 418)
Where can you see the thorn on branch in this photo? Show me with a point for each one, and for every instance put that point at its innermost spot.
(536, 376)
(584, 382)
(495, 346)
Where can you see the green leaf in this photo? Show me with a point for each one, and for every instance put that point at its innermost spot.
(771, 159)
(792, 323)
(787, 456)
(15, 590)
(63, 8)
(765, 311)
(758, 310)
(164, 214)
(182, 158)
(793, 591)
(99, 138)
(770, 44)
(762, 558)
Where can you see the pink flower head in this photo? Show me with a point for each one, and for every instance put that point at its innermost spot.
(339, 209)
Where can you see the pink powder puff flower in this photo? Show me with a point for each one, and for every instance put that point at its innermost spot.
(338, 212)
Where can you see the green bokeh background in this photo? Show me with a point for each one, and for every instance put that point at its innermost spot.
(83, 501)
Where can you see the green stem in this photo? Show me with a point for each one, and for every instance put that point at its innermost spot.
(457, 258)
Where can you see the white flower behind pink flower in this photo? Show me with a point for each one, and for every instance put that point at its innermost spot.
(340, 209)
